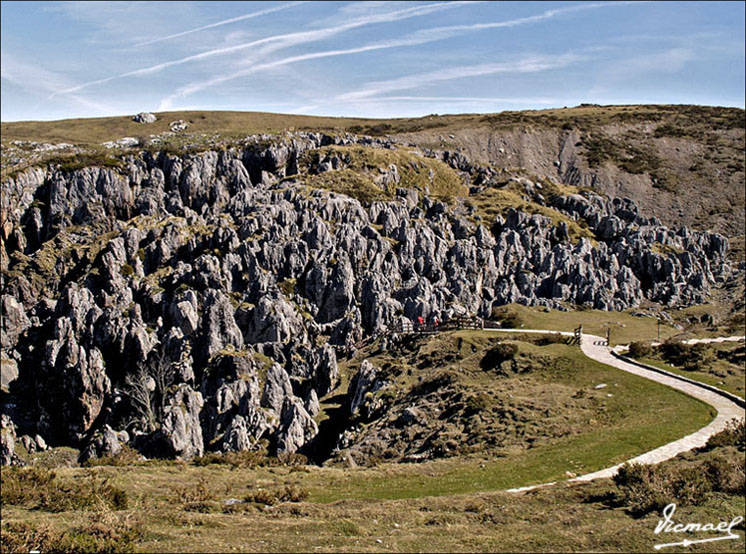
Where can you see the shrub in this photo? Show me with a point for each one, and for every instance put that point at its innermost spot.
(688, 485)
(348, 528)
(292, 459)
(248, 459)
(289, 493)
(105, 532)
(126, 456)
(41, 489)
(475, 404)
(550, 338)
(507, 319)
(727, 475)
(431, 384)
(189, 494)
(690, 357)
(734, 434)
(497, 355)
(640, 350)
(647, 488)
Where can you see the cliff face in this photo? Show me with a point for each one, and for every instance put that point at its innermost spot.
(680, 175)
(185, 303)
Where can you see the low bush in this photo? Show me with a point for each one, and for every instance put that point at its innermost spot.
(190, 494)
(727, 475)
(507, 319)
(126, 456)
(549, 338)
(38, 488)
(105, 532)
(497, 355)
(640, 350)
(734, 434)
(248, 459)
(647, 488)
(289, 493)
(431, 384)
(691, 357)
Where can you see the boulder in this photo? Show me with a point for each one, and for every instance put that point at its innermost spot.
(144, 117)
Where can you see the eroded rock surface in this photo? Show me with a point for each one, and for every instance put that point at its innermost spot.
(199, 301)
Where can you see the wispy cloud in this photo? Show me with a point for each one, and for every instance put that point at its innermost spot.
(201, 85)
(417, 38)
(439, 100)
(221, 23)
(284, 40)
(530, 64)
(39, 81)
(467, 99)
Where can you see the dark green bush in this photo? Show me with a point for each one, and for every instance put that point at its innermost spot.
(550, 338)
(251, 459)
(127, 456)
(507, 318)
(690, 357)
(189, 494)
(497, 355)
(431, 384)
(640, 350)
(643, 489)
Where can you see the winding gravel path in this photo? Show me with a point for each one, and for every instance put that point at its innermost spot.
(595, 348)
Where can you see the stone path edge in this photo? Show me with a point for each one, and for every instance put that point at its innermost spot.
(732, 397)
(665, 451)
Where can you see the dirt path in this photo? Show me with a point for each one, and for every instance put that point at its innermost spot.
(595, 348)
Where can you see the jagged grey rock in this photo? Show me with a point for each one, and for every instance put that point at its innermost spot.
(144, 117)
(234, 273)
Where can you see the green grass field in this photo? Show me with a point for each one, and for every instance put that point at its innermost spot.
(448, 504)
(728, 377)
(625, 328)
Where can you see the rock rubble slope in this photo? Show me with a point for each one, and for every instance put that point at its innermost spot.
(185, 303)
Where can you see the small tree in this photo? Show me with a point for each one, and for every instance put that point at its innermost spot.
(147, 388)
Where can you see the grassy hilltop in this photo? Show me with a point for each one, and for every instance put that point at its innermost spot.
(682, 163)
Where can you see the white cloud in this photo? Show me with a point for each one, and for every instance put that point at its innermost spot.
(221, 23)
(39, 81)
(419, 37)
(530, 64)
(284, 40)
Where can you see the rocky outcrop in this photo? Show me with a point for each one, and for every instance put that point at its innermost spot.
(7, 441)
(180, 435)
(361, 392)
(297, 427)
(144, 117)
(104, 442)
(230, 288)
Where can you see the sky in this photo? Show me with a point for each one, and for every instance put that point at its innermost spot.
(369, 59)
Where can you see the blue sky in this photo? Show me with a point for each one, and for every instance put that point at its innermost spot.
(372, 59)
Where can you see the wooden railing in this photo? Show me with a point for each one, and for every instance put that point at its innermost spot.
(455, 323)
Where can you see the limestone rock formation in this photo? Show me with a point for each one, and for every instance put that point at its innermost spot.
(230, 288)
(144, 117)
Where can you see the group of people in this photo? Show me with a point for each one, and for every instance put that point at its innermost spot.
(420, 323)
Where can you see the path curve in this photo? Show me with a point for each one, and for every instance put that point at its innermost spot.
(595, 348)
